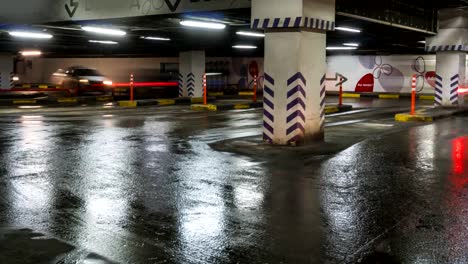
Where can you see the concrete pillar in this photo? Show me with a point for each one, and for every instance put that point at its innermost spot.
(295, 66)
(450, 74)
(191, 70)
(450, 45)
(6, 68)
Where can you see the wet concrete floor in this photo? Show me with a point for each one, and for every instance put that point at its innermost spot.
(95, 185)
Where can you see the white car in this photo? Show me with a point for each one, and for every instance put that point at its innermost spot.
(81, 81)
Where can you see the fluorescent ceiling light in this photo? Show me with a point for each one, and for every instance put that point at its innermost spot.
(244, 47)
(422, 41)
(105, 31)
(213, 73)
(200, 24)
(28, 53)
(251, 34)
(104, 42)
(341, 48)
(348, 29)
(157, 38)
(351, 44)
(15, 78)
(35, 35)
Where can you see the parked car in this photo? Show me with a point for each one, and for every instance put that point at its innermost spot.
(83, 81)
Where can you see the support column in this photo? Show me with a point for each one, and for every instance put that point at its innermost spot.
(450, 74)
(6, 68)
(191, 70)
(295, 66)
(450, 45)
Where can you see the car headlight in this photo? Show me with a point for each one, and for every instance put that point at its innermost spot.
(109, 83)
(84, 81)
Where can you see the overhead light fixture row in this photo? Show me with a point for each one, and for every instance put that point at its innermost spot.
(244, 47)
(341, 48)
(202, 24)
(31, 53)
(347, 29)
(108, 42)
(250, 34)
(105, 31)
(33, 35)
(156, 38)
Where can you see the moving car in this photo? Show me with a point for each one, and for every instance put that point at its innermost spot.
(83, 81)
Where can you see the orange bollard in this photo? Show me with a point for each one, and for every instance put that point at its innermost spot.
(255, 89)
(413, 94)
(341, 93)
(205, 90)
(131, 87)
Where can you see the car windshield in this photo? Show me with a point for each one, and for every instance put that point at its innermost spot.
(86, 72)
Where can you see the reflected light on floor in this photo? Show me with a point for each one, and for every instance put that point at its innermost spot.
(29, 107)
(459, 157)
(32, 117)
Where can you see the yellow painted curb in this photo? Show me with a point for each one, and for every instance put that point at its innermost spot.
(246, 93)
(413, 118)
(196, 100)
(351, 95)
(166, 102)
(24, 102)
(331, 109)
(208, 107)
(427, 97)
(241, 106)
(104, 98)
(127, 103)
(389, 96)
(216, 94)
(67, 100)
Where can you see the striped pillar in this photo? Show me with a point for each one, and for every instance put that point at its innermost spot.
(294, 89)
(12, 81)
(191, 70)
(450, 74)
(295, 50)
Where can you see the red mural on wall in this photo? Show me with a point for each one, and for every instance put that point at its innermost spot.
(366, 84)
(431, 78)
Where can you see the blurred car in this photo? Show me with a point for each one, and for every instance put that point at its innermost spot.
(82, 81)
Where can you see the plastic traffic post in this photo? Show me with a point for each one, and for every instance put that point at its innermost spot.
(131, 87)
(413, 94)
(341, 92)
(205, 90)
(255, 89)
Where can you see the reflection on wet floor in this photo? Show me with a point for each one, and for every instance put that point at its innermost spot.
(148, 188)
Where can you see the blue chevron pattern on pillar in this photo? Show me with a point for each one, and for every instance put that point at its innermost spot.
(180, 80)
(438, 90)
(454, 89)
(191, 84)
(296, 97)
(322, 102)
(269, 107)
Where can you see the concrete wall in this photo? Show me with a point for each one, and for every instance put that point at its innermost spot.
(365, 73)
(117, 69)
(40, 70)
(383, 74)
(6, 67)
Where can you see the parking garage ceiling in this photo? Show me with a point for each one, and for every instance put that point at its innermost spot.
(375, 19)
